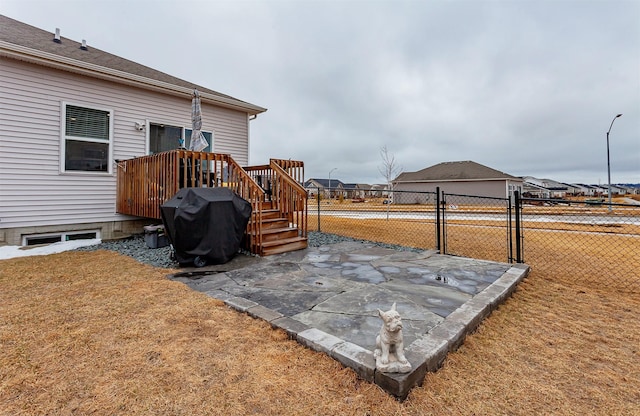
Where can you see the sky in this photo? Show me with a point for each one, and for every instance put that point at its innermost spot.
(529, 88)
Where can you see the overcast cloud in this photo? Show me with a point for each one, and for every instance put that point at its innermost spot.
(528, 88)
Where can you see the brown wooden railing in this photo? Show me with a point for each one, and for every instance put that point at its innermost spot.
(282, 181)
(146, 182)
(291, 198)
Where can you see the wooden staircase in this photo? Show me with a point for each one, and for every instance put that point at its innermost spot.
(278, 221)
(278, 234)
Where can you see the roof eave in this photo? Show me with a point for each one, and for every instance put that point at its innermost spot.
(22, 53)
(456, 180)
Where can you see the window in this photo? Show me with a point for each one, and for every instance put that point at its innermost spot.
(207, 135)
(37, 239)
(163, 137)
(87, 139)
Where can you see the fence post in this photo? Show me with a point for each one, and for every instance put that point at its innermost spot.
(438, 219)
(318, 199)
(518, 206)
(443, 240)
(509, 230)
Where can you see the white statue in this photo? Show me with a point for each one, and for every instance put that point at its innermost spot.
(389, 352)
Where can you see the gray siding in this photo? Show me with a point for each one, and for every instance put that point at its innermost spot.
(33, 191)
(495, 188)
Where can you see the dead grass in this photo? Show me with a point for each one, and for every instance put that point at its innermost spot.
(98, 333)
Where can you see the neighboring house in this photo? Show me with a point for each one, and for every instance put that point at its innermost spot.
(364, 190)
(544, 188)
(600, 190)
(351, 190)
(531, 190)
(572, 189)
(631, 189)
(69, 113)
(586, 190)
(464, 178)
(315, 185)
(616, 189)
(379, 190)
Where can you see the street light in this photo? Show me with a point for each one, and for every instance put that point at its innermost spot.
(330, 181)
(608, 162)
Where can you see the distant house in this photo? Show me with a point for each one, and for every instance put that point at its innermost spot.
(326, 187)
(545, 188)
(464, 178)
(351, 190)
(379, 190)
(600, 190)
(572, 189)
(617, 189)
(364, 190)
(631, 189)
(70, 113)
(585, 190)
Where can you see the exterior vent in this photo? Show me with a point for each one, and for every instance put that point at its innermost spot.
(56, 37)
(84, 45)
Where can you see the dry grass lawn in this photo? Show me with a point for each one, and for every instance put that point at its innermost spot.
(98, 333)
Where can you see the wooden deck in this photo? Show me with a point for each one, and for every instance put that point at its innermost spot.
(279, 202)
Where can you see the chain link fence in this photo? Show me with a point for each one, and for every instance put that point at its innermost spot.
(477, 227)
(587, 241)
(375, 217)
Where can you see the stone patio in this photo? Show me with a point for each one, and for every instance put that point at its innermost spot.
(327, 298)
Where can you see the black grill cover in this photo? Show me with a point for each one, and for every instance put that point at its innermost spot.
(205, 222)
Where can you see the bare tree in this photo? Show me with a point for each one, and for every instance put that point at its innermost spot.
(389, 170)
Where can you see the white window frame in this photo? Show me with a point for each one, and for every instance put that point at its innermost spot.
(64, 138)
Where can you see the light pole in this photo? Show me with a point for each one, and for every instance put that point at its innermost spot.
(330, 181)
(608, 162)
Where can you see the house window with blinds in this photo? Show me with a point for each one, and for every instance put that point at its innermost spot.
(87, 139)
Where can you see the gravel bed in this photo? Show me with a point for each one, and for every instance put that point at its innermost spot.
(136, 247)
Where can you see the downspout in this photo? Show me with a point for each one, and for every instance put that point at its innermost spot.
(249, 118)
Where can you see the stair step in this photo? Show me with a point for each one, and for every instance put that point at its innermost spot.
(284, 245)
(270, 223)
(273, 234)
(270, 214)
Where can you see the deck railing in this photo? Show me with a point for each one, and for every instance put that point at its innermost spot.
(282, 181)
(144, 183)
(291, 197)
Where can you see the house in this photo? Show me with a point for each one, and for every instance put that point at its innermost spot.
(379, 190)
(585, 190)
(463, 178)
(314, 186)
(73, 116)
(616, 189)
(351, 190)
(600, 190)
(545, 188)
(364, 190)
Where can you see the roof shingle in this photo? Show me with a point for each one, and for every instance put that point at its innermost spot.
(27, 36)
(447, 171)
